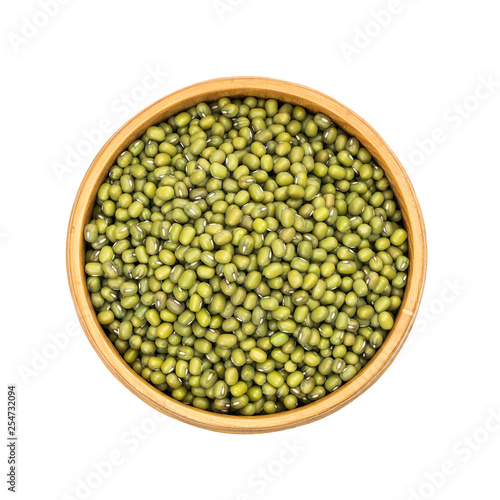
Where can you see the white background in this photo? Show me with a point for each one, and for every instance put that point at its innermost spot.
(417, 70)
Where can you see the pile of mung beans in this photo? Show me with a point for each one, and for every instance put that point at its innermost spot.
(246, 256)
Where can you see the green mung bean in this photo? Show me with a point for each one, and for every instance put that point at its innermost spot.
(246, 257)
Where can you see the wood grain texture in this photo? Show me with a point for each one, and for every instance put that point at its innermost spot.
(298, 95)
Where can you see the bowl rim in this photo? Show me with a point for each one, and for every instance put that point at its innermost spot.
(313, 101)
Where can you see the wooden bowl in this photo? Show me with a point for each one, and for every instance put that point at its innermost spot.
(313, 101)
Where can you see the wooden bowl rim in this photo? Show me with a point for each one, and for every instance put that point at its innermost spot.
(314, 101)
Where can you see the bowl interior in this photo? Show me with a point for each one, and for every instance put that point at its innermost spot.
(313, 101)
